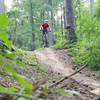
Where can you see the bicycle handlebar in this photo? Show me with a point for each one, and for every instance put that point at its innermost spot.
(47, 30)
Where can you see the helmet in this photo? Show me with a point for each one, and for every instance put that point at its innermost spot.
(45, 21)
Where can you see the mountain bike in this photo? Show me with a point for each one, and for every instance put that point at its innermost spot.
(45, 42)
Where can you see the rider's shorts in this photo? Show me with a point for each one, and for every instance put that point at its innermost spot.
(45, 31)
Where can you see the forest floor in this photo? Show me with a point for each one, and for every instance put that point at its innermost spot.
(85, 85)
(45, 67)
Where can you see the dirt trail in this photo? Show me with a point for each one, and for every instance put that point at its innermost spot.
(61, 63)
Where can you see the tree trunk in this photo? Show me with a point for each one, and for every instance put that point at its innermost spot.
(13, 37)
(57, 22)
(64, 17)
(92, 7)
(62, 20)
(32, 25)
(70, 20)
(51, 35)
(42, 15)
(2, 6)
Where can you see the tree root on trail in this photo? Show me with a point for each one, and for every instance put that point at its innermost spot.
(68, 77)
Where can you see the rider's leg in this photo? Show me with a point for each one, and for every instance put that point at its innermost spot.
(43, 38)
(46, 39)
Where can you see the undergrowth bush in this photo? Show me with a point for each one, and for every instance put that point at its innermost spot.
(87, 48)
(61, 42)
(87, 51)
(9, 61)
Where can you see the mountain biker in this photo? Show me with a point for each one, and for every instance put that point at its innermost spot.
(45, 28)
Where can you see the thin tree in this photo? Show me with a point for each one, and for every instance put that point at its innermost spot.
(62, 24)
(51, 35)
(64, 15)
(92, 7)
(2, 6)
(70, 20)
(32, 24)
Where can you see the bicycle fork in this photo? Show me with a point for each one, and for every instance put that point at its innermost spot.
(44, 40)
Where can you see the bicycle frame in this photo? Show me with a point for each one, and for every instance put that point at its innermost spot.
(44, 39)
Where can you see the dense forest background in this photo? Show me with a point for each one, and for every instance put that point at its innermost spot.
(25, 18)
(75, 25)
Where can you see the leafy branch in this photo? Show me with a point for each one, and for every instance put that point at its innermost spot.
(19, 95)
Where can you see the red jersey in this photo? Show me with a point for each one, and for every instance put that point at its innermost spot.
(45, 26)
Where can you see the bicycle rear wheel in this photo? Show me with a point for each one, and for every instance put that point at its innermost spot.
(44, 40)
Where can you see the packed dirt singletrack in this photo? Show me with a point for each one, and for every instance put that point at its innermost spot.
(59, 62)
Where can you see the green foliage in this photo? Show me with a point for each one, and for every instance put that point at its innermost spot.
(4, 37)
(87, 26)
(61, 42)
(62, 92)
(9, 61)
(9, 69)
(24, 84)
(26, 57)
(97, 13)
(20, 27)
(4, 21)
(45, 91)
(3, 27)
(87, 49)
(10, 56)
(8, 89)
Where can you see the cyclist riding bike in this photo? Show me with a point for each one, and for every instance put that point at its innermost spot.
(45, 28)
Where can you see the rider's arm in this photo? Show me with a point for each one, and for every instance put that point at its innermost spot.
(41, 28)
(49, 28)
